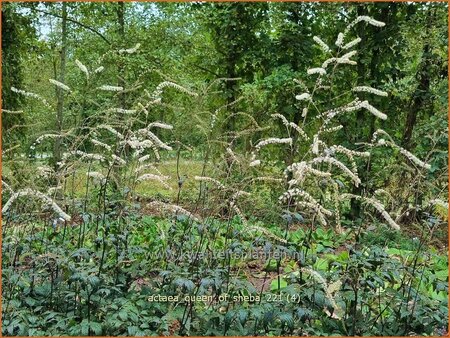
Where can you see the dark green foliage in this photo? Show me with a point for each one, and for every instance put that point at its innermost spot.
(17, 39)
(52, 286)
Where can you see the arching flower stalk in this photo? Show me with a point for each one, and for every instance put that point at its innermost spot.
(60, 85)
(38, 195)
(83, 68)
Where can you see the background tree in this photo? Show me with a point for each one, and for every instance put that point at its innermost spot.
(18, 39)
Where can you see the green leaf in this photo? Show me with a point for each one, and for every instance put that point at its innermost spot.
(274, 284)
(123, 315)
(96, 328)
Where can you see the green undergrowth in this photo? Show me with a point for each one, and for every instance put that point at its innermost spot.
(134, 280)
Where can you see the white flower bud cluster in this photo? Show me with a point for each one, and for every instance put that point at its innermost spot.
(213, 119)
(147, 166)
(45, 171)
(156, 141)
(42, 137)
(332, 113)
(267, 179)
(281, 117)
(6, 185)
(118, 160)
(130, 50)
(373, 110)
(53, 190)
(310, 202)
(137, 142)
(380, 132)
(160, 125)
(59, 85)
(351, 43)
(174, 209)
(238, 194)
(340, 60)
(315, 209)
(369, 20)
(299, 171)
(239, 213)
(331, 129)
(273, 140)
(132, 141)
(339, 40)
(143, 108)
(316, 276)
(348, 55)
(315, 145)
(95, 174)
(145, 144)
(330, 290)
(370, 90)
(159, 89)
(299, 130)
(327, 62)
(346, 61)
(209, 179)
(111, 130)
(291, 124)
(110, 88)
(382, 192)
(122, 111)
(36, 194)
(99, 69)
(32, 95)
(83, 156)
(354, 107)
(82, 67)
(266, 232)
(90, 156)
(322, 44)
(232, 154)
(337, 214)
(348, 152)
(12, 111)
(100, 144)
(328, 159)
(155, 151)
(406, 153)
(377, 205)
(143, 158)
(255, 163)
(303, 97)
(319, 70)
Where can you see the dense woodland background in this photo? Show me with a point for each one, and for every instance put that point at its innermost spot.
(263, 46)
(245, 62)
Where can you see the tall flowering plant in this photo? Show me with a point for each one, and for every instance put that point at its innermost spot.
(314, 181)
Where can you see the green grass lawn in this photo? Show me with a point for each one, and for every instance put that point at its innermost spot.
(188, 169)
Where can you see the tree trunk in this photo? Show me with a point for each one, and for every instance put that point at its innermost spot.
(418, 99)
(120, 66)
(59, 91)
(231, 94)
